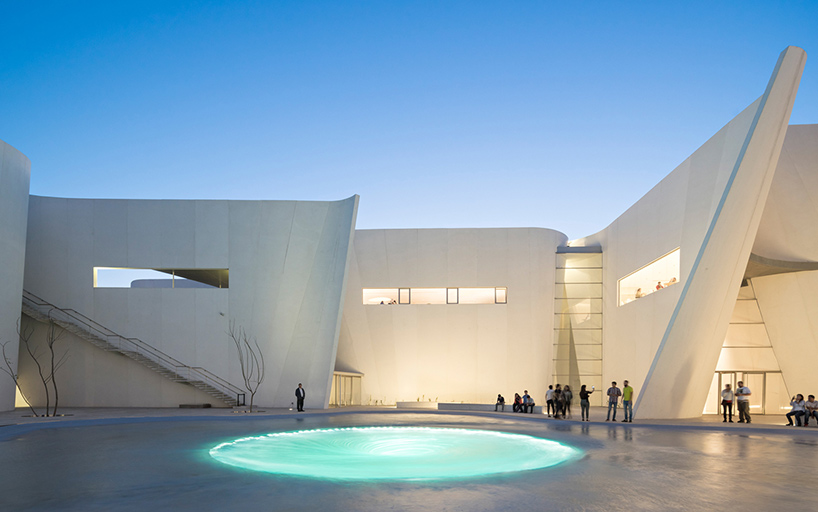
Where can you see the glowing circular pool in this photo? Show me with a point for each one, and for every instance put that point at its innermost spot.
(393, 453)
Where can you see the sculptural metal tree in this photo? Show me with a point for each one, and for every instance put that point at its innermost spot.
(47, 365)
(251, 359)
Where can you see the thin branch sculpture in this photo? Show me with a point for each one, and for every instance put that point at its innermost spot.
(251, 359)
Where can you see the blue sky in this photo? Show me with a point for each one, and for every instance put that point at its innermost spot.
(439, 114)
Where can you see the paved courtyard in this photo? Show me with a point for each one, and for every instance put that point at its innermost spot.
(157, 459)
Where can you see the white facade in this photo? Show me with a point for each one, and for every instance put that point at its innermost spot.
(457, 314)
(15, 171)
(450, 351)
(287, 265)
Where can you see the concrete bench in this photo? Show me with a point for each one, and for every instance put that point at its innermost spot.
(454, 406)
(416, 405)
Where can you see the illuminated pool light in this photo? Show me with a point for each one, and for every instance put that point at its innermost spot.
(393, 453)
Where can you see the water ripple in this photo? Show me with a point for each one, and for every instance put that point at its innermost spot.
(393, 453)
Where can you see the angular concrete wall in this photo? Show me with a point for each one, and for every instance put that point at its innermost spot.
(15, 172)
(287, 262)
(455, 352)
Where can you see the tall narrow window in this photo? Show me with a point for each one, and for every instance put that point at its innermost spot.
(404, 296)
(451, 296)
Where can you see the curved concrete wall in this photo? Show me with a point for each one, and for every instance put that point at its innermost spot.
(287, 263)
(453, 352)
(15, 173)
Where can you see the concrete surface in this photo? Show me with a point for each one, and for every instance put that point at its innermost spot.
(157, 459)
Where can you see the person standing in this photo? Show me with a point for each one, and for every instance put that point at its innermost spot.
(549, 400)
(613, 400)
(627, 403)
(557, 401)
(584, 403)
(567, 398)
(727, 396)
(743, 402)
(811, 406)
(501, 402)
(300, 393)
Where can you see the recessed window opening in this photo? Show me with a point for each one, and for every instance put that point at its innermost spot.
(380, 295)
(118, 277)
(653, 277)
(393, 296)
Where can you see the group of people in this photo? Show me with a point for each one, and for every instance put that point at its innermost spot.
(558, 401)
(659, 285)
(742, 399)
(802, 409)
(524, 404)
(628, 394)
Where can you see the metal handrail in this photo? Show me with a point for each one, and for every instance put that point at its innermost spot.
(135, 345)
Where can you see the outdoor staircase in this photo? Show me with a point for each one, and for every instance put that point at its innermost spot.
(133, 348)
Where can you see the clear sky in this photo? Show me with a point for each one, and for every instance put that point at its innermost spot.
(439, 114)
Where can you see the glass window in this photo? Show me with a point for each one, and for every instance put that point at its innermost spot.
(579, 275)
(378, 296)
(477, 296)
(114, 277)
(578, 306)
(578, 321)
(501, 295)
(428, 296)
(451, 296)
(404, 295)
(579, 260)
(653, 277)
(578, 291)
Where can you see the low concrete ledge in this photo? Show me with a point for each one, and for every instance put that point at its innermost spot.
(416, 405)
(454, 406)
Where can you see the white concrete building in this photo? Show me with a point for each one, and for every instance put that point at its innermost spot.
(710, 278)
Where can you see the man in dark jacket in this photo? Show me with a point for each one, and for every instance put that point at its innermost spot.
(299, 395)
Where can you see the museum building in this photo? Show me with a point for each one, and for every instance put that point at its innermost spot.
(710, 278)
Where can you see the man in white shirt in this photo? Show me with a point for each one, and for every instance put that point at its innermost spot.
(811, 406)
(549, 400)
(743, 401)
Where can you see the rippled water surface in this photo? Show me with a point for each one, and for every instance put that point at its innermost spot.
(385, 453)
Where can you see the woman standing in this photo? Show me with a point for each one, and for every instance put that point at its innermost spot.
(584, 404)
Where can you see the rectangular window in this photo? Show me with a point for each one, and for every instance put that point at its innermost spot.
(653, 277)
(115, 277)
(380, 295)
(387, 296)
(451, 296)
(428, 296)
(477, 296)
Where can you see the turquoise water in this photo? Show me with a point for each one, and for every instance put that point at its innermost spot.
(393, 453)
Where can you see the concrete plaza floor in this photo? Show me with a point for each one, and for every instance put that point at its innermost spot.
(140, 459)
